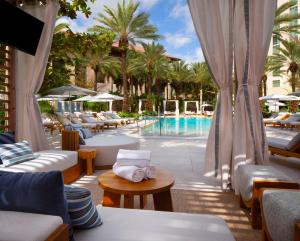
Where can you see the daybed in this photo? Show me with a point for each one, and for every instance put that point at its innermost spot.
(252, 179)
(50, 160)
(281, 215)
(287, 145)
(107, 147)
(118, 225)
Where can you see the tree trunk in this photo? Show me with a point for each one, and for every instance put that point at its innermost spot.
(112, 84)
(96, 70)
(293, 80)
(125, 82)
(265, 86)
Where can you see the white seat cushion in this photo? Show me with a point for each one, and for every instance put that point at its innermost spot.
(247, 174)
(143, 225)
(16, 226)
(46, 161)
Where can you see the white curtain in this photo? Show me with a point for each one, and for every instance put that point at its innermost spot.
(253, 22)
(29, 74)
(213, 21)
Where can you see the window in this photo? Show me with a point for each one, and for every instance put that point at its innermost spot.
(5, 58)
(276, 83)
(294, 10)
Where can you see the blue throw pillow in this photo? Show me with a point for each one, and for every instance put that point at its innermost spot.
(82, 210)
(41, 193)
(86, 133)
(7, 138)
(72, 128)
(12, 154)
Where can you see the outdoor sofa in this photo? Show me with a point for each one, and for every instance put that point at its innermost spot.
(280, 215)
(252, 179)
(285, 145)
(118, 225)
(50, 160)
(106, 147)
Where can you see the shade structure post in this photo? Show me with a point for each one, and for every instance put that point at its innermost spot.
(213, 22)
(110, 106)
(253, 24)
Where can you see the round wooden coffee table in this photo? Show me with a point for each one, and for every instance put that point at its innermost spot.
(159, 188)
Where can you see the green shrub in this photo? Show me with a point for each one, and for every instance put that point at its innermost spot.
(46, 107)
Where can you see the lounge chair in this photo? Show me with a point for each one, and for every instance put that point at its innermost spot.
(252, 179)
(286, 122)
(108, 116)
(115, 116)
(108, 122)
(275, 118)
(88, 118)
(51, 123)
(288, 146)
(94, 126)
(281, 215)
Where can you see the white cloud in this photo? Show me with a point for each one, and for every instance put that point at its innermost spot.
(177, 40)
(148, 4)
(82, 23)
(181, 10)
(192, 57)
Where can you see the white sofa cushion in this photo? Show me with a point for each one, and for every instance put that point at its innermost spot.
(16, 226)
(143, 225)
(49, 160)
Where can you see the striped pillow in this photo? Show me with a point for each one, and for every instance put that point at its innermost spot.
(12, 154)
(82, 210)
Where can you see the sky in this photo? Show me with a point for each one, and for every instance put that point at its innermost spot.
(171, 17)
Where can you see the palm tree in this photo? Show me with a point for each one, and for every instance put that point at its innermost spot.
(283, 19)
(268, 68)
(287, 56)
(179, 75)
(151, 63)
(129, 27)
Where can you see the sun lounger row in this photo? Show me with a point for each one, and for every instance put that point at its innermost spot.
(284, 120)
(91, 120)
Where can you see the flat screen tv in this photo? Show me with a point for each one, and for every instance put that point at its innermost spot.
(19, 29)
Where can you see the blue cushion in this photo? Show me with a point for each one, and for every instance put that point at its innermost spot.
(72, 128)
(7, 138)
(41, 193)
(86, 133)
(82, 210)
(12, 154)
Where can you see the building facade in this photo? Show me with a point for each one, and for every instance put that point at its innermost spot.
(280, 84)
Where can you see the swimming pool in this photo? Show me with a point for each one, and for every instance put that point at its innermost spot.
(183, 126)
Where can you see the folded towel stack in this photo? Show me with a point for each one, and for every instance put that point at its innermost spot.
(134, 165)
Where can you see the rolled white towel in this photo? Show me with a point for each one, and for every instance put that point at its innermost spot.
(131, 173)
(150, 172)
(134, 154)
(132, 162)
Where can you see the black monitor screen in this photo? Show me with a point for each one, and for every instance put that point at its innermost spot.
(19, 29)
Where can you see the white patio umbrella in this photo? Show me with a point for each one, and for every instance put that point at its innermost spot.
(84, 98)
(70, 90)
(108, 96)
(279, 97)
(274, 105)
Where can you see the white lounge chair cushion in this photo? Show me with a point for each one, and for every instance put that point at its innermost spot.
(247, 174)
(16, 226)
(46, 161)
(281, 211)
(286, 143)
(143, 225)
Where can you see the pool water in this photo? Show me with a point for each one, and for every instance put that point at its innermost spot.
(183, 126)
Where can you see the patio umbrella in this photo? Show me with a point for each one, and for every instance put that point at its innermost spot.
(108, 96)
(70, 90)
(275, 104)
(279, 97)
(84, 98)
